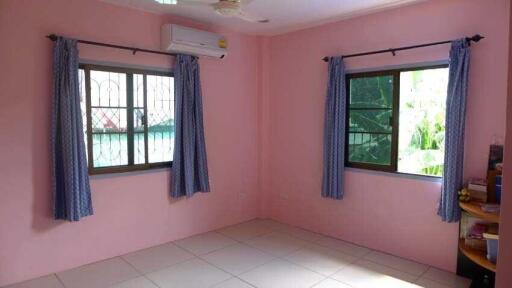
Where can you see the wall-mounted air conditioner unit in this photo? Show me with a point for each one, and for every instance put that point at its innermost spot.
(180, 39)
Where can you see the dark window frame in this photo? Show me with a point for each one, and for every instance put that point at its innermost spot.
(129, 110)
(395, 121)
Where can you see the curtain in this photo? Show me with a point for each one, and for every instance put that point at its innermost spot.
(71, 191)
(190, 167)
(454, 135)
(334, 131)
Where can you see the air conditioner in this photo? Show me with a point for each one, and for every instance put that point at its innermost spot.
(180, 39)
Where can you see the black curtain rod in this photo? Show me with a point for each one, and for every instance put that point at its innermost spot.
(134, 50)
(393, 51)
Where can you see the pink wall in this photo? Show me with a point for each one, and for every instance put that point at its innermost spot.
(132, 211)
(503, 276)
(381, 211)
(264, 117)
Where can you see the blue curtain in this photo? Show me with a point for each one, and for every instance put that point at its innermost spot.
(334, 131)
(71, 192)
(454, 138)
(190, 167)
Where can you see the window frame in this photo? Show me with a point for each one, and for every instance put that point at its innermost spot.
(395, 121)
(129, 110)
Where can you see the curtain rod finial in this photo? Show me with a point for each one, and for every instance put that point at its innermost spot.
(326, 59)
(52, 37)
(477, 37)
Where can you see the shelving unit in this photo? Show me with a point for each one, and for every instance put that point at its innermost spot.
(472, 263)
(474, 209)
(477, 256)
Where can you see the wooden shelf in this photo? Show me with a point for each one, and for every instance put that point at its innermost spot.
(477, 256)
(474, 209)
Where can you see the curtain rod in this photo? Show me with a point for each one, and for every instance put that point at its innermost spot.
(393, 51)
(134, 50)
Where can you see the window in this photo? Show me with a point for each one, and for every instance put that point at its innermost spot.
(396, 120)
(128, 118)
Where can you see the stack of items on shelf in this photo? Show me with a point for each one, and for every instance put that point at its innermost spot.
(484, 237)
(478, 189)
(475, 237)
(490, 208)
(486, 190)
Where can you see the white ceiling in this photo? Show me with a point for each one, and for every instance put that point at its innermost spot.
(284, 15)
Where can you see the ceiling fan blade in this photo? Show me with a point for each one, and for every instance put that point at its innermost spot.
(251, 18)
(188, 2)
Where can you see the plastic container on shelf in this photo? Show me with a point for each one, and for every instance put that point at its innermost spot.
(498, 193)
(492, 246)
(498, 188)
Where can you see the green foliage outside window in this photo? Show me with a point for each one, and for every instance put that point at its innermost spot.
(421, 127)
(370, 111)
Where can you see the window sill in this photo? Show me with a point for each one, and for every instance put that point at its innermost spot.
(124, 170)
(128, 173)
(426, 178)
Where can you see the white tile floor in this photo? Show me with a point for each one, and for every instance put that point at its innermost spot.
(258, 253)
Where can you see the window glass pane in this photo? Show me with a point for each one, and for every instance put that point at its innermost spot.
(138, 90)
(370, 118)
(83, 106)
(370, 148)
(422, 121)
(108, 89)
(138, 120)
(110, 149)
(109, 119)
(160, 107)
(371, 92)
(139, 143)
(376, 121)
(138, 146)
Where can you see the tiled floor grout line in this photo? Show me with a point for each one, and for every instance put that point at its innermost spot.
(370, 250)
(233, 275)
(328, 276)
(151, 281)
(320, 281)
(281, 230)
(435, 280)
(362, 257)
(422, 274)
(212, 251)
(60, 280)
(236, 276)
(115, 283)
(396, 269)
(274, 257)
(141, 273)
(239, 242)
(282, 257)
(342, 282)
